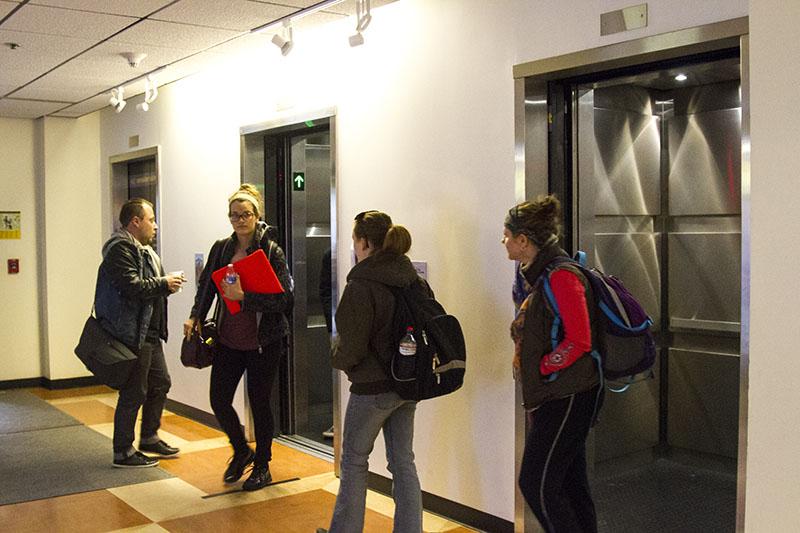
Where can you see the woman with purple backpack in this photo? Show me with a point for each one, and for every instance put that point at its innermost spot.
(560, 384)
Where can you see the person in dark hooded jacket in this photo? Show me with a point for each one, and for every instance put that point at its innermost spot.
(364, 321)
(253, 340)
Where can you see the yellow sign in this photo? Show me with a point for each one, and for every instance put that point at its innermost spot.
(9, 224)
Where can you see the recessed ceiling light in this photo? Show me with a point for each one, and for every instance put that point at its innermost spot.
(681, 77)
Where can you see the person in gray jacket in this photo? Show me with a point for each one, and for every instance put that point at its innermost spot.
(364, 321)
(131, 304)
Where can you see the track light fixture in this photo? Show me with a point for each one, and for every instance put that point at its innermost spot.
(284, 42)
(363, 18)
(117, 100)
(150, 94)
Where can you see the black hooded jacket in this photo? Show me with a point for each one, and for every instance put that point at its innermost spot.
(273, 323)
(365, 320)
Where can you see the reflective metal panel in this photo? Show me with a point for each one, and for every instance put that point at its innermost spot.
(704, 401)
(705, 163)
(704, 277)
(634, 258)
(628, 422)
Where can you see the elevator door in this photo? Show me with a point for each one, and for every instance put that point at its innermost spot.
(309, 212)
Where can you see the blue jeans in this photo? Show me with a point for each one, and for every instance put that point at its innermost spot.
(366, 416)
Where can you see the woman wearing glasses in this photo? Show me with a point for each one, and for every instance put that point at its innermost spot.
(253, 340)
(560, 384)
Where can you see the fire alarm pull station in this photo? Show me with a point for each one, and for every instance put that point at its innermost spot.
(13, 266)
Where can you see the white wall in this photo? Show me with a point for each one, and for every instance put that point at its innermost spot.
(19, 311)
(72, 237)
(773, 466)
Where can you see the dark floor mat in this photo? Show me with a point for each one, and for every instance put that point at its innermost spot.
(22, 411)
(666, 497)
(58, 461)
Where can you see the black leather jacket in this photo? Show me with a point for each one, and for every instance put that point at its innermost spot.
(129, 285)
(273, 308)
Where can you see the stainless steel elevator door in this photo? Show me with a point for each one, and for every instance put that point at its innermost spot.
(310, 213)
(658, 181)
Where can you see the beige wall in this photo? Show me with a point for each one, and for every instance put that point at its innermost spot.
(71, 237)
(773, 464)
(19, 310)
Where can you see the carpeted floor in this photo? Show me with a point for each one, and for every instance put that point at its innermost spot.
(47, 453)
(667, 497)
(22, 411)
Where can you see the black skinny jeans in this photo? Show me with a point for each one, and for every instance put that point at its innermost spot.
(147, 388)
(553, 476)
(226, 372)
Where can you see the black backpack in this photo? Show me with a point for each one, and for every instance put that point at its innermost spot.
(627, 345)
(439, 364)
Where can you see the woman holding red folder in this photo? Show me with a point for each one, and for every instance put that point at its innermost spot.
(252, 340)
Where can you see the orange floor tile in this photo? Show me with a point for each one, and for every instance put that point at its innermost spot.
(299, 513)
(188, 429)
(46, 394)
(204, 469)
(89, 412)
(87, 512)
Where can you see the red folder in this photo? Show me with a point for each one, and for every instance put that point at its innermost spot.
(255, 275)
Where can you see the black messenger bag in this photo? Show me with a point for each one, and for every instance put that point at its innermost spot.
(107, 358)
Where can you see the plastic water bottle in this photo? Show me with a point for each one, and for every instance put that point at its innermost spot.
(230, 275)
(408, 344)
(407, 362)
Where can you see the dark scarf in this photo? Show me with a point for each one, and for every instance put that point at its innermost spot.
(531, 275)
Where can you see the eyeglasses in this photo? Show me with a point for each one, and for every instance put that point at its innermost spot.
(235, 217)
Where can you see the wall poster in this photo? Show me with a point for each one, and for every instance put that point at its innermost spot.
(10, 224)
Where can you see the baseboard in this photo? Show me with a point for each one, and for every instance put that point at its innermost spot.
(193, 413)
(448, 509)
(50, 384)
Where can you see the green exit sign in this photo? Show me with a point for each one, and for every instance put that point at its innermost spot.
(299, 181)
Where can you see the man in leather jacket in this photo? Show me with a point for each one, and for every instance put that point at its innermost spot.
(131, 304)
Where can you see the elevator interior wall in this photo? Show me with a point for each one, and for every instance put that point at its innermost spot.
(657, 173)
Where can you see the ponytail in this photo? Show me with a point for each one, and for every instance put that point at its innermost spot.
(397, 241)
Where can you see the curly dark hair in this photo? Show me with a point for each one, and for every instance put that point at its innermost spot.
(539, 220)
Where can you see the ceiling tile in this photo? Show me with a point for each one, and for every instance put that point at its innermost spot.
(26, 108)
(169, 34)
(36, 55)
(83, 108)
(65, 22)
(139, 8)
(237, 15)
(6, 7)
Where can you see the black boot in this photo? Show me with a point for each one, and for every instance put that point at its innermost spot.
(259, 478)
(239, 462)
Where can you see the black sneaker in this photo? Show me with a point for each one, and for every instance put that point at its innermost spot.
(259, 478)
(238, 463)
(137, 460)
(161, 448)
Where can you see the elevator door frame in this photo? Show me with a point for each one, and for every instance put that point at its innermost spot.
(532, 175)
(283, 123)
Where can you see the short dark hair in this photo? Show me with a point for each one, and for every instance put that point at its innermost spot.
(132, 208)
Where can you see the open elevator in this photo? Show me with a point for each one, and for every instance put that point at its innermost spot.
(646, 155)
(291, 161)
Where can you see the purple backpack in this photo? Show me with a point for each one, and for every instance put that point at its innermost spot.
(626, 346)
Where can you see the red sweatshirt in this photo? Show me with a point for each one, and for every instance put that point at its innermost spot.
(570, 296)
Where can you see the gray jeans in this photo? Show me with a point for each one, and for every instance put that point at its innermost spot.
(366, 416)
(147, 388)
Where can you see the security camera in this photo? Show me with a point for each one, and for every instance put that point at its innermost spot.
(133, 58)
